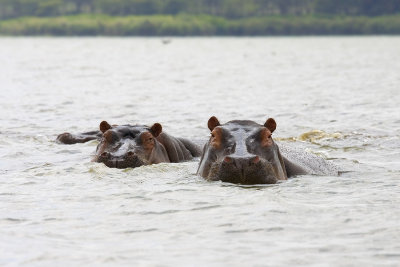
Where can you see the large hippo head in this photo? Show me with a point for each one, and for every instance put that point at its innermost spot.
(242, 151)
(127, 146)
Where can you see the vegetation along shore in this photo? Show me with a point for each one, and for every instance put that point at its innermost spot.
(198, 25)
(198, 17)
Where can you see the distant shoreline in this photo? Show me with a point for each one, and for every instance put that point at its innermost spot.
(199, 25)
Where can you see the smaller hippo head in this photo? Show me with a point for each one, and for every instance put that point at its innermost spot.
(127, 146)
(242, 151)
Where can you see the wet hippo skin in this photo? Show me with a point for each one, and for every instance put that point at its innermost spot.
(124, 146)
(69, 139)
(243, 151)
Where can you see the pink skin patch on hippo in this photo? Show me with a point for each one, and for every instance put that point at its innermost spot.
(216, 138)
(266, 137)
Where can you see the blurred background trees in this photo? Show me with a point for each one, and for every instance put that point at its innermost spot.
(232, 9)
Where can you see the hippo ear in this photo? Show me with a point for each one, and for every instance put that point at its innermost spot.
(104, 126)
(212, 123)
(270, 124)
(156, 129)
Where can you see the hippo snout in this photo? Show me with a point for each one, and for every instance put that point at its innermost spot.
(128, 160)
(243, 170)
(65, 138)
(241, 162)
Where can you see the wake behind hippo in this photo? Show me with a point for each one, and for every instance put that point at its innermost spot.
(243, 151)
(130, 146)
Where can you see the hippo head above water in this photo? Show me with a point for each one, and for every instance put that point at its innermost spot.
(127, 146)
(242, 151)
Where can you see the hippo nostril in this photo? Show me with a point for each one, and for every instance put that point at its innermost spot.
(228, 159)
(255, 160)
(130, 154)
(104, 154)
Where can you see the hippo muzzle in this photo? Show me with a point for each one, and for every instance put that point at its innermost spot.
(128, 160)
(243, 170)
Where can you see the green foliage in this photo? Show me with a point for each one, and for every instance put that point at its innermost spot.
(358, 7)
(198, 17)
(200, 25)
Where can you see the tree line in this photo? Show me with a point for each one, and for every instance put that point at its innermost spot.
(230, 9)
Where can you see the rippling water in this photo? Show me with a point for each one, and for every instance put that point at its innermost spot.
(337, 97)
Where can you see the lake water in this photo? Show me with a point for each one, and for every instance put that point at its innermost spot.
(338, 97)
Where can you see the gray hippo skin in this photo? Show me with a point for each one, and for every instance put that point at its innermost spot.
(243, 151)
(130, 146)
(69, 139)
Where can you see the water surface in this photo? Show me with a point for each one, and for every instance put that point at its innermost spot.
(334, 96)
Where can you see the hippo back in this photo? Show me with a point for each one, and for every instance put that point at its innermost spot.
(178, 149)
(310, 163)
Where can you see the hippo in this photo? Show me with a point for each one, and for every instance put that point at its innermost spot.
(130, 146)
(244, 152)
(69, 139)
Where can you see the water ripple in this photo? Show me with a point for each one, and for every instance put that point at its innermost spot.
(59, 208)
